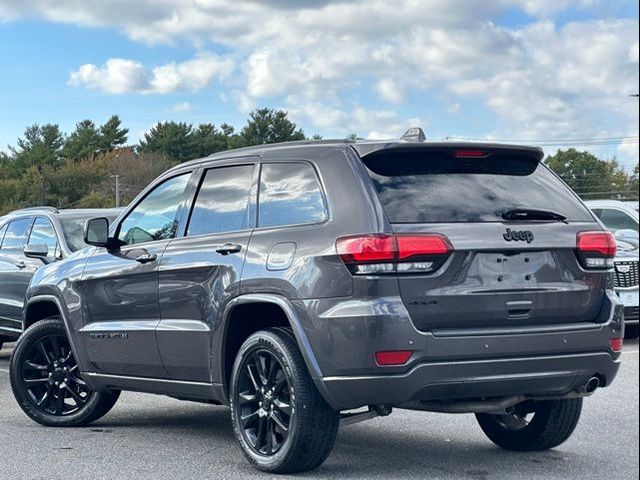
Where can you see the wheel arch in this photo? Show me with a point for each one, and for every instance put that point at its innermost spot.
(236, 319)
(44, 306)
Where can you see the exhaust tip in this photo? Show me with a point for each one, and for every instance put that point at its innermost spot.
(592, 385)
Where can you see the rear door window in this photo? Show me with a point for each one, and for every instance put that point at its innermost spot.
(434, 187)
(15, 238)
(290, 194)
(222, 203)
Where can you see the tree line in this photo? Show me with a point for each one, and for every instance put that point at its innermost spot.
(47, 166)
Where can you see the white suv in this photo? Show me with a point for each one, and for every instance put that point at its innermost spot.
(622, 219)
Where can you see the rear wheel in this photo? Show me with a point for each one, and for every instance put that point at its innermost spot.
(46, 382)
(281, 421)
(532, 425)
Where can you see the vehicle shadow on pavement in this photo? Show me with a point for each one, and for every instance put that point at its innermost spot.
(361, 451)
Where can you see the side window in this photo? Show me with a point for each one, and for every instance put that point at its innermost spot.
(154, 218)
(617, 219)
(15, 237)
(43, 233)
(2, 230)
(222, 202)
(290, 194)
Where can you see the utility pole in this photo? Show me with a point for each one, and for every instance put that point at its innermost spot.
(42, 195)
(117, 177)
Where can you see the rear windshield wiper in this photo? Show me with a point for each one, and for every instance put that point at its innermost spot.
(532, 214)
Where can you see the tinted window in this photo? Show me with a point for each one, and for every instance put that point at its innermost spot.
(222, 203)
(16, 235)
(428, 187)
(43, 233)
(155, 217)
(290, 194)
(616, 219)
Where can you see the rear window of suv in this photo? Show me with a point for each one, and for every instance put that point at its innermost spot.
(435, 187)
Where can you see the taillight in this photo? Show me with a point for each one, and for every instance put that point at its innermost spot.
(616, 344)
(468, 153)
(596, 249)
(393, 357)
(401, 253)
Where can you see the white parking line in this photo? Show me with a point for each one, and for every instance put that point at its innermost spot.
(3, 370)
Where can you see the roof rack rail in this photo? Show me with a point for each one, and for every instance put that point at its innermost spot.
(37, 209)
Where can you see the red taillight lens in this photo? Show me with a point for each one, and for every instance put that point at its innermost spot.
(471, 153)
(401, 253)
(393, 357)
(367, 248)
(596, 249)
(616, 344)
(422, 245)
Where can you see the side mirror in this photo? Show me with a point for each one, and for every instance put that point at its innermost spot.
(96, 232)
(38, 250)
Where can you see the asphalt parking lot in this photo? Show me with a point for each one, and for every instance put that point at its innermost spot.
(147, 436)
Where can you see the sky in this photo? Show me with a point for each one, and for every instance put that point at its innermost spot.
(546, 71)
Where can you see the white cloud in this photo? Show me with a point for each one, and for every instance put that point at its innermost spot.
(389, 90)
(119, 75)
(544, 79)
(181, 107)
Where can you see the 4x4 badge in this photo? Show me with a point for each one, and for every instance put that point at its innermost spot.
(514, 236)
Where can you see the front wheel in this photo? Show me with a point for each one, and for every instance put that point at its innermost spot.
(531, 425)
(46, 382)
(281, 421)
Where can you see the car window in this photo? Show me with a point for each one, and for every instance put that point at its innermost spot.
(432, 187)
(15, 237)
(616, 219)
(73, 230)
(154, 218)
(43, 233)
(290, 194)
(2, 230)
(222, 203)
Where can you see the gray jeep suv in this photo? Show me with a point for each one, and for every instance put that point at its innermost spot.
(312, 284)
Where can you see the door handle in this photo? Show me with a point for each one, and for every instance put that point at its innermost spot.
(228, 248)
(20, 264)
(146, 257)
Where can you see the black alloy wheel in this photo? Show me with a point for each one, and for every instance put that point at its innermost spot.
(264, 402)
(46, 379)
(49, 376)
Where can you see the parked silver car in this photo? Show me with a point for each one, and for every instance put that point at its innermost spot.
(622, 219)
(29, 239)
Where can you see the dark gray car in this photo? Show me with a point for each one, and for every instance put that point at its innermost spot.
(299, 282)
(29, 239)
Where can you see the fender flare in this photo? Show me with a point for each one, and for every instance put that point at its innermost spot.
(65, 321)
(298, 331)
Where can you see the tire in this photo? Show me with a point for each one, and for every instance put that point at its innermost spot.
(272, 359)
(38, 379)
(552, 423)
(631, 331)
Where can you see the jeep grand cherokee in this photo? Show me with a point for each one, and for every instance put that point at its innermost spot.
(312, 284)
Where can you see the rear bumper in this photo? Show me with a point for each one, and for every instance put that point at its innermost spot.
(339, 338)
(529, 376)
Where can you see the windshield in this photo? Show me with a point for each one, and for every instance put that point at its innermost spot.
(73, 229)
(432, 187)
